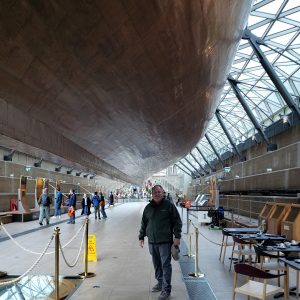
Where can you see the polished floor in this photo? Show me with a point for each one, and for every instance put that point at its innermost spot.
(123, 270)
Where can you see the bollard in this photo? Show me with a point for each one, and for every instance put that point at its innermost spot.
(86, 274)
(56, 276)
(196, 273)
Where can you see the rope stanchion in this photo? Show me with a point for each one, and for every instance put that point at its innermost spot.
(196, 273)
(77, 258)
(187, 221)
(189, 254)
(2, 273)
(86, 274)
(39, 253)
(56, 275)
(31, 268)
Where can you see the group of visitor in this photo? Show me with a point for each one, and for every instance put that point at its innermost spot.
(97, 201)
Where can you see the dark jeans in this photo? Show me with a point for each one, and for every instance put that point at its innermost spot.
(97, 212)
(57, 211)
(161, 258)
(103, 212)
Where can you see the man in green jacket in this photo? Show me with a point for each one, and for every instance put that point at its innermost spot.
(162, 225)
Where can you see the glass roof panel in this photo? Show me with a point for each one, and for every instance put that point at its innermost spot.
(278, 27)
(272, 7)
(295, 16)
(277, 23)
(291, 4)
(284, 39)
(260, 31)
(254, 20)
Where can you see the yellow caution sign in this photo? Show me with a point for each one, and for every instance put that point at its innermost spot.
(92, 249)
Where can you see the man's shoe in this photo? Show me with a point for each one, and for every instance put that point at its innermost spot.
(156, 288)
(41, 224)
(164, 296)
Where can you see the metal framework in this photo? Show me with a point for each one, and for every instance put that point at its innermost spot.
(266, 74)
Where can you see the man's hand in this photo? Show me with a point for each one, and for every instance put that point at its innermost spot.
(176, 242)
(141, 243)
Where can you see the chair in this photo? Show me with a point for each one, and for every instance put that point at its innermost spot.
(241, 250)
(270, 265)
(256, 289)
(224, 245)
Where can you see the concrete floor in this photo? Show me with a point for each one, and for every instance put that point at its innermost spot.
(123, 270)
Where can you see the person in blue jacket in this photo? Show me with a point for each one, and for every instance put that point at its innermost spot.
(58, 202)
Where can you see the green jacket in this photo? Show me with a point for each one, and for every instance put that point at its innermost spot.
(160, 222)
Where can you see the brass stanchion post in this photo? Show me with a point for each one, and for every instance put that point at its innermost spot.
(86, 274)
(196, 274)
(2, 273)
(190, 246)
(56, 276)
(189, 254)
(187, 221)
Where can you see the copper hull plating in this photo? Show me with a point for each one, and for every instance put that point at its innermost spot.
(131, 84)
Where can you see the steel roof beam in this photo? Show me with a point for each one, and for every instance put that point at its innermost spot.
(192, 166)
(193, 173)
(207, 162)
(219, 117)
(198, 163)
(254, 42)
(233, 83)
(214, 149)
(183, 170)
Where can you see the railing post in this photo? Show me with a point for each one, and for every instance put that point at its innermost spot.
(86, 274)
(250, 211)
(2, 273)
(187, 221)
(190, 246)
(56, 276)
(189, 254)
(196, 274)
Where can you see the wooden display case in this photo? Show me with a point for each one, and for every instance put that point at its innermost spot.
(276, 217)
(23, 205)
(290, 225)
(39, 187)
(265, 213)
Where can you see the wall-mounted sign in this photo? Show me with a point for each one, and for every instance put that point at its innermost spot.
(227, 169)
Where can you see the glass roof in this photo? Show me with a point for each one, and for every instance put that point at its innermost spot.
(277, 23)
